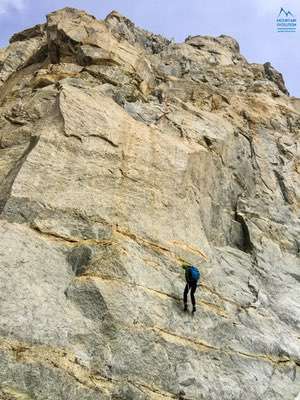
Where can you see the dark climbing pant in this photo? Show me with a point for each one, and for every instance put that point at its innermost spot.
(190, 286)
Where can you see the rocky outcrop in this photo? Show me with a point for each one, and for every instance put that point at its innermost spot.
(123, 155)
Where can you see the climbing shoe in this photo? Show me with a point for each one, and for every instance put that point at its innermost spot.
(194, 309)
(185, 307)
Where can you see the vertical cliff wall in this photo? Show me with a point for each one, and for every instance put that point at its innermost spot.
(122, 155)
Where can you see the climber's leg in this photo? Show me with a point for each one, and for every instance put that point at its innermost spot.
(193, 290)
(185, 294)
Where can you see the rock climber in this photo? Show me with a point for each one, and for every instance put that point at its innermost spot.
(192, 276)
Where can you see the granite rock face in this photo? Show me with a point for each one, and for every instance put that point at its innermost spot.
(123, 154)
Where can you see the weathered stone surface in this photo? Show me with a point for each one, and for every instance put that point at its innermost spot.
(121, 156)
(37, 30)
(275, 77)
(124, 29)
(19, 54)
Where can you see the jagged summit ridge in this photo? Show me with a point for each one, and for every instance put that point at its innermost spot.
(123, 154)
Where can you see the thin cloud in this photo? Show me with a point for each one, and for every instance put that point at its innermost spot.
(273, 6)
(7, 6)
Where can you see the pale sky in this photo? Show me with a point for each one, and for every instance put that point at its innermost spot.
(251, 22)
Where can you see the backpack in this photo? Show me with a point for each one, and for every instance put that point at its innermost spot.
(192, 274)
